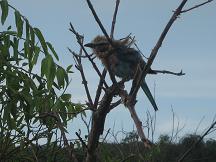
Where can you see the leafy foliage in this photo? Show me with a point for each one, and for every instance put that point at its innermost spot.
(30, 105)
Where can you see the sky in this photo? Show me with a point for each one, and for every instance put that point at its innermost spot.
(189, 46)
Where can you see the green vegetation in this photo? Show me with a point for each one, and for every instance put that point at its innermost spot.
(33, 104)
(129, 150)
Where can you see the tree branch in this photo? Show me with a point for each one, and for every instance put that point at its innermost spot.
(196, 6)
(114, 19)
(155, 49)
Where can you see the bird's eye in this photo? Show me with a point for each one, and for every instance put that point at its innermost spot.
(103, 49)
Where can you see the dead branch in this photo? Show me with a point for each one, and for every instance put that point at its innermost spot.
(79, 66)
(72, 29)
(169, 72)
(99, 22)
(196, 6)
(114, 19)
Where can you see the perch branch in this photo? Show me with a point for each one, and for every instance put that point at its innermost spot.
(169, 72)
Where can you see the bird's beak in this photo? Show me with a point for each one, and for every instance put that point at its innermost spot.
(91, 45)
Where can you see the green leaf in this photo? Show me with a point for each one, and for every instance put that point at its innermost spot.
(42, 40)
(9, 32)
(32, 36)
(48, 69)
(15, 49)
(51, 74)
(36, 54)
(27, 29)
(53, 50)
(60, 76)
(19, 23)
(4, 7)
(43, 67)
(69, 69)
(11, 123)
(27, 49)
(66, 97)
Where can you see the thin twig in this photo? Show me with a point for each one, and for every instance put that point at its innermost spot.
(114, 19)
(99, 89)
(72, 29)
(99, 22)
(84, 81)
(169, 72)
(187, 152)
(196, 6)
(81, 140)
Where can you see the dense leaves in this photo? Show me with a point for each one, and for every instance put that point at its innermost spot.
(32, 102)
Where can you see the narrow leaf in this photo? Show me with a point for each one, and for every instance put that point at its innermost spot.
(4, 7)
(53, 50)
(19, 23)
(42, 40)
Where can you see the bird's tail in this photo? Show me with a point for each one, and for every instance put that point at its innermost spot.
(145, 88)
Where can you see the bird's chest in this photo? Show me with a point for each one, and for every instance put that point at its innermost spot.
(120, 67)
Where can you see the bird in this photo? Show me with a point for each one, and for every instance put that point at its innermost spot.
(122, 60)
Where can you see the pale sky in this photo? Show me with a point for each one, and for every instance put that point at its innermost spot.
(190, 45)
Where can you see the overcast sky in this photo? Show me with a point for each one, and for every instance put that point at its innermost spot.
(190, 45)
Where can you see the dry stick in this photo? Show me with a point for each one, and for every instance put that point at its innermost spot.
(169, 72)
(72, 29)
(84, 81)
(100, 85)
(82, 141)
(196, 6)
(114, 19)
(186, 153)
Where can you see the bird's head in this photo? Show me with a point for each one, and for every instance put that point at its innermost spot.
(99, 45)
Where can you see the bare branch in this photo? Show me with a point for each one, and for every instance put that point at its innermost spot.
(72, 29)
(196, 6)
(156, 48)
(99, 22)
(169, 72)
(80, 68)
(81, 140)
(114, 19)
(99, 89)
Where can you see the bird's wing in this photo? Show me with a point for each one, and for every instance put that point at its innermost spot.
(130, 55)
